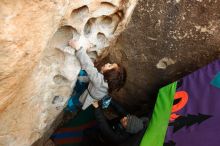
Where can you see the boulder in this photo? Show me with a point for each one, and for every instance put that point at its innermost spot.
(36, 78)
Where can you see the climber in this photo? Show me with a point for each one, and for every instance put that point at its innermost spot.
(121, 129)
(110, 78)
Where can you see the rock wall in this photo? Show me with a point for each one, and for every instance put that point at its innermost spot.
(36, 78)
(165, 41)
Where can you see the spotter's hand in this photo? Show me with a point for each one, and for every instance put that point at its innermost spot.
(95, 104)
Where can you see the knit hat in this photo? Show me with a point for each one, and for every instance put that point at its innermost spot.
(134, 124)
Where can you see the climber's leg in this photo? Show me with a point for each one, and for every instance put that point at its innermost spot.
(81, 85)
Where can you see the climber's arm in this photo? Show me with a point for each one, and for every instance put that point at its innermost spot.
(86, 63)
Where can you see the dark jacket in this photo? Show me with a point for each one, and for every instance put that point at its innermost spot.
(117, 135)
(114, 132)
(134, 140)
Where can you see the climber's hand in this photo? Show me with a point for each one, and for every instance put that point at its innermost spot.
(85, 43)
(74, 44)
(95, 104)
(91, 48)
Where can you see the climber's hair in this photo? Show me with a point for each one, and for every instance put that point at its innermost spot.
(115, 78)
